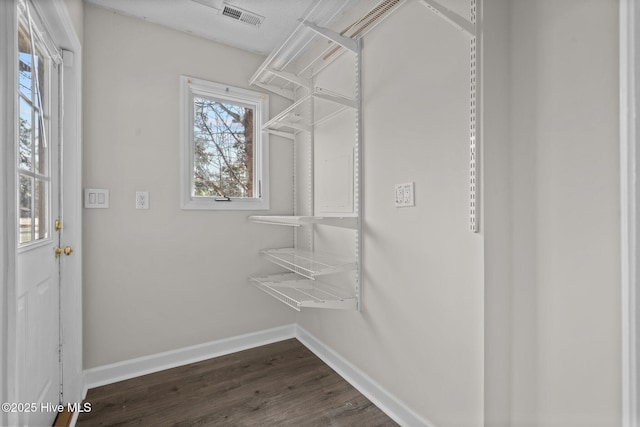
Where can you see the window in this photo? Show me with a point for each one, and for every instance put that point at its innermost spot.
(225, 153)
(34, 171)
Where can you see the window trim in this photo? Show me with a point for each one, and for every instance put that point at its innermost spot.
(190, 86)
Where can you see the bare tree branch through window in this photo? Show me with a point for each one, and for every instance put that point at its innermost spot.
(223, 140)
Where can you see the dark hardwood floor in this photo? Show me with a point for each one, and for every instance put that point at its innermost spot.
(280, 384)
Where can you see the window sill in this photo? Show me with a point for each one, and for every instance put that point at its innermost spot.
(234, 204)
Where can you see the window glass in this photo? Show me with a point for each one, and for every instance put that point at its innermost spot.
(41, 209)
(24, 62)
(26, 220)
(25, 148)
(225, 153)
(223, 148)
(33, 150)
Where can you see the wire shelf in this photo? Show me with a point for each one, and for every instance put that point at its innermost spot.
(303, 51)
(293, 71)
(297, 293)
(308, 264)
(291, 120)
(297, 221)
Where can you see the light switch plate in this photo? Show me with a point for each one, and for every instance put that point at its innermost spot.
(96, 198)
(404, 195)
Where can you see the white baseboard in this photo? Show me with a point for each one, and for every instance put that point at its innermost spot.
(127, 369)
(74, 419)
(384, 400)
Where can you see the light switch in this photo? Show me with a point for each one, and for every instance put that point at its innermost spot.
(399, 195)
(95, 198)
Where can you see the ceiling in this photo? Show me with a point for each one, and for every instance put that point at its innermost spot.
(204, 18)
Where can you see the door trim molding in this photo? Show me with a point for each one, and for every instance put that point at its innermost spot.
(8, 247)
(630, 210)
(60, 25)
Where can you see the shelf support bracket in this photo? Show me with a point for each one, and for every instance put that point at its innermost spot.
(291, 77)
(282, 134)
(343, 41)
(277, 90)
(290, 124)
(321, 94)
(294, 125)
(451, 17)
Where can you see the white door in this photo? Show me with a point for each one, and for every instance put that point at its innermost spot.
(38, 177)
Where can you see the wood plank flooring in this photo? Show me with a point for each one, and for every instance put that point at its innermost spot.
(280, 384)
(63, 419)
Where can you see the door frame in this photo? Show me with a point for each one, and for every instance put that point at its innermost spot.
(8, 194)
(629, 20)
(60, 27)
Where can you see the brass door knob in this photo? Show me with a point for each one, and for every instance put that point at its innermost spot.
(67, 251)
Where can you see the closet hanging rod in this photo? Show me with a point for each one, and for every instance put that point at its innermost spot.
(367, 22)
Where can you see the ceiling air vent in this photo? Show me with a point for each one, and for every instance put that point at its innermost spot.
(241, 15)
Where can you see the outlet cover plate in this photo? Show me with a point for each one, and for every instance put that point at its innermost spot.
(404, 195)
(142, 200)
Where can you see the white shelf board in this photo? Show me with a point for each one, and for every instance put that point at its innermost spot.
(297, 221)
(296, 292)
(308, 264)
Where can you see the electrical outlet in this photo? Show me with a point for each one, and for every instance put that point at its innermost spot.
(408, 194)
(399, 195)
(142, 200)
(404, 195)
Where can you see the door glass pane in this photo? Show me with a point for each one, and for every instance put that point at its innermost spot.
(41, 150)
(24, 63)
(26, 192)
(41, 89)
(25, 147)
(41, 205)
(34, 181)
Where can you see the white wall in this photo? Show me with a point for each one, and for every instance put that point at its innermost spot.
(546, 302)
(420, 331)
(496, 222)
(558, 268)
(75, 10)
(163, 278)
(564, 133)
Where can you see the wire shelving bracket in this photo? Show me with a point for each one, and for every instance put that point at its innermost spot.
(472, 28)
